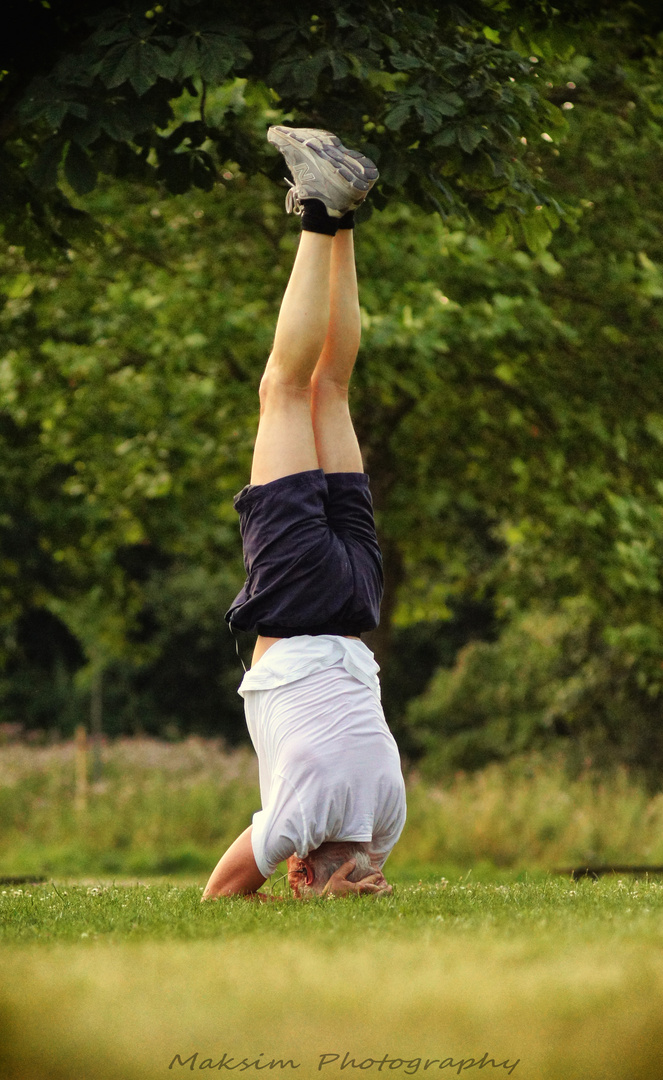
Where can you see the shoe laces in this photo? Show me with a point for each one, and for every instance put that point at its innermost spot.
(292, 202)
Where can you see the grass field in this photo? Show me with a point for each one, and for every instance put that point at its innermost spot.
(548, 979)
(484, 969)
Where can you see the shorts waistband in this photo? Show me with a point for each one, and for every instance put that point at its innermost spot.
(309, 631)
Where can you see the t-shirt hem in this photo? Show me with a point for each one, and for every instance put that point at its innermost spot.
(263, 866)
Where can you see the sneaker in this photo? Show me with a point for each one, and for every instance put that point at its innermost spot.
(323, 169)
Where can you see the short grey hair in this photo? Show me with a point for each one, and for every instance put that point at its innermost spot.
(329, 858)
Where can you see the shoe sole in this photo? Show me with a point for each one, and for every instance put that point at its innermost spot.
(351, 166)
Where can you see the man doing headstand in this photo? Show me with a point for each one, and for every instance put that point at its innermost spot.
(332, 792)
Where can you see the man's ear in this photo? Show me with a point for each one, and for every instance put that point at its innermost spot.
(310, 875)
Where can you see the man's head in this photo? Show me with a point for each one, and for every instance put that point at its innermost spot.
(318, 872)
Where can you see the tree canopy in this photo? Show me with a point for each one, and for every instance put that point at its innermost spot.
(441, 96)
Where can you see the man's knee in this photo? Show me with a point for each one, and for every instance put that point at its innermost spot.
(279, 388)
(327, 387)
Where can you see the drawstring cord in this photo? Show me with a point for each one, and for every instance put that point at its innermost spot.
(232, 631)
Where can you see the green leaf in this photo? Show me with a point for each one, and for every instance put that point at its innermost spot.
(536, 231)
(140, 63)
(55, 112)
(308, 74)
(193, 131)
(445, 138)
(84, 133)
(340, 66)
(186, 57)
(429, 115)
(44, 171)
(405, 62)
(217, 58)
(654, 426)
(434, 107)
(395, 172)
(449, 57)
(79, 170)
(397, 116)
(118, 123)
(343, 19)
(203, 172)
(448, 104)
(469, 138)
(118, 34)
(300, 74)
(185, 169)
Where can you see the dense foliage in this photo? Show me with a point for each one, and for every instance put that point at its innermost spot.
(439, 96)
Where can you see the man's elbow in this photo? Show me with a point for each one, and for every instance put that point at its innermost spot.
(227, 889)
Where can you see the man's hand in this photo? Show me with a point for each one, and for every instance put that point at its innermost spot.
(338, 884)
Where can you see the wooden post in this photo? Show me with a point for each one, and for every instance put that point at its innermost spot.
(80, 769)
(96, 725)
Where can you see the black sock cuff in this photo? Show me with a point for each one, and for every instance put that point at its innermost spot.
(316, 219)
(347, 221)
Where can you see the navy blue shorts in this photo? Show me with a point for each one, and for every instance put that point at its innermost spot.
(311, 555)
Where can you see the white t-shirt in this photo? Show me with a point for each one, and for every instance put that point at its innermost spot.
(329, 766)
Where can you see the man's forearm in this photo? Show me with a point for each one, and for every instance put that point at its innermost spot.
(236, 873)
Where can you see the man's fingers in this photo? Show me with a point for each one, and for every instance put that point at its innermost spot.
(345, 870)
(371, 887)
(341, 875)
(338, 884)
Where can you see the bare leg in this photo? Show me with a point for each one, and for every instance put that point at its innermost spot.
(335, 440)
(285, 442)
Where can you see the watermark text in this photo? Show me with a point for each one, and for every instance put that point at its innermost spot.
(331, 1063)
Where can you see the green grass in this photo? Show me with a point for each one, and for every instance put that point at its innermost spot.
(113, 981)
(479, 951)
(55, 912)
